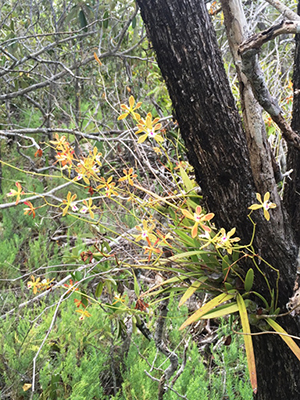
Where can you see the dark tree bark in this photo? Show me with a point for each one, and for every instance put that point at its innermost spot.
(189, 58)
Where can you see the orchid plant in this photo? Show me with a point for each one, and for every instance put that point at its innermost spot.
(187, 245)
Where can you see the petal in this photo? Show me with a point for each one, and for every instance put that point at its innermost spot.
(222, 232)
(198, 210)
(266, 214)
(208, 217)
(266, 196)
(122, 116)
(145, 225)
(159, 138)
(255, 206)
(92, 214)
(143, 138)
(258, 196)
(195, 230)
(231, 232)
(12, 192)
(205, 228)
(152, 237)
(187, 214)
(131, 101)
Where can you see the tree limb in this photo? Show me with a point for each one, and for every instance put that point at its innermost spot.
(248, 51)
(287, 12)
(256, 41)
(259, 148)
(161, 346)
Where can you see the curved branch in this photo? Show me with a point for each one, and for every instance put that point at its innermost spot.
(256, 41)
(287, 12)
(248, 51)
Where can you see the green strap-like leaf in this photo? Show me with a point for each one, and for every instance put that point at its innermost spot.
(99, 289)
(105, 20)
(191, 290)
(288, 340)
(221, 311)
(186, 238)
(248, 341)
(188, 254)
(82, 20)
(189, 185)
(206, 308)
(136, 286)
(249, 280)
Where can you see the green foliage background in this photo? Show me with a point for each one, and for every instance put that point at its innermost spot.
(75, 361)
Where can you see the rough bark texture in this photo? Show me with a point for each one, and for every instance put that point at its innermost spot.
(259, 149)
(191, 64)
(249, 51)
(188, 56)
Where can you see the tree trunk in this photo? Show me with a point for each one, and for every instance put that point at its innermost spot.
(292, 189)
(190, 61)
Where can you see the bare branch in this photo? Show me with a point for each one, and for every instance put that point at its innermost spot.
(93, 135)
(256, 41)
(287, 12)
(43, 342)
(161, 346)
(183, 364)
(38, 196)
(248, 51)
(259, 149)
(40, 85)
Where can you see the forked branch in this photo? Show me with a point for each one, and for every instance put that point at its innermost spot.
(248, 51)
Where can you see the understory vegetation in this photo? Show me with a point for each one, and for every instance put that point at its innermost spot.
(115, 282)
